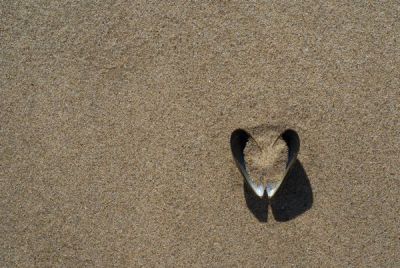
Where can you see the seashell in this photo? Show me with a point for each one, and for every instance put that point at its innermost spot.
(264, 156)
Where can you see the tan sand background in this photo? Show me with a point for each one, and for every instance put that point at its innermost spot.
(115, 119)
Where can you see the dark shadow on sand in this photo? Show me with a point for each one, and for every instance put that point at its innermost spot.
(258, 206)
(293, 198)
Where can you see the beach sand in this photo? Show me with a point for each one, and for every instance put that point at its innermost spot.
(266, 164)
(115, 120)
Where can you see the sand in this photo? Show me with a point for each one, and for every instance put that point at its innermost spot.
(115, 121)
(266, 164)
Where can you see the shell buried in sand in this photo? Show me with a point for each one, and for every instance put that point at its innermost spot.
(264, 155)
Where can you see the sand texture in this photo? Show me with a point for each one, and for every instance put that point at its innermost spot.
(266, 164)
(115, 125)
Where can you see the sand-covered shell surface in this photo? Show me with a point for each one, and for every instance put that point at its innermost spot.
(264, 156)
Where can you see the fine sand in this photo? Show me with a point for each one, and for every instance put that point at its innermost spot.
(267, 164)
(115, 125)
